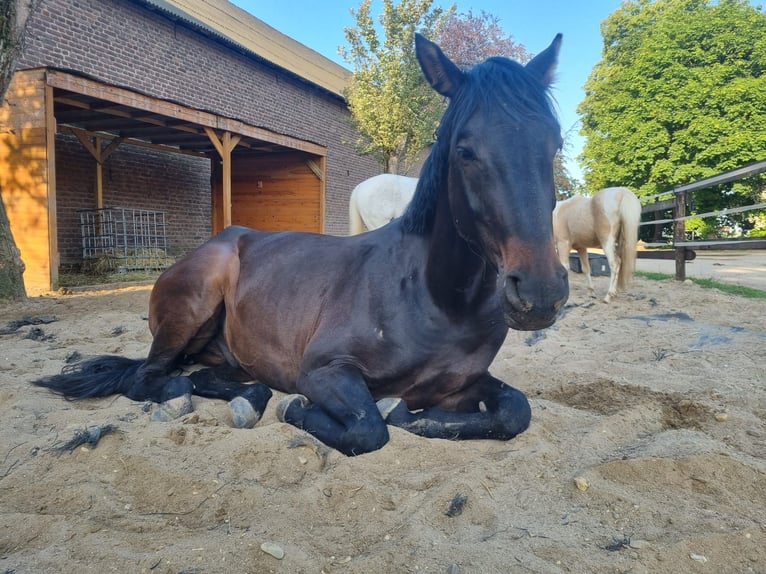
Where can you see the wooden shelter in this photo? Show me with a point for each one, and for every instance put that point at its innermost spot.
(268, 167)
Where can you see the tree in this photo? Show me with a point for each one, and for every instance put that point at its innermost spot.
(393, 109)
(13, 20)
(468, 39)
(679, 94)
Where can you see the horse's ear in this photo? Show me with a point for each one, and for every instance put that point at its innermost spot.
(444, 76)
(544, 64)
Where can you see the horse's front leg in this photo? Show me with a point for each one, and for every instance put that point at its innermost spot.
(497, 411)
(337, 408)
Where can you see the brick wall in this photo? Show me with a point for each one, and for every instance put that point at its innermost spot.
(121, 42)
(138, 178)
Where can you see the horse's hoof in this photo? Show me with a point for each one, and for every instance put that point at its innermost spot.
(287, 402)
(177, 387)
(258, 395)
(387, 405)
(173, 409)
(243, 415)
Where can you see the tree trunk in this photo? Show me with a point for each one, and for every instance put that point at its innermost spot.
(11, 265)
(13, 20)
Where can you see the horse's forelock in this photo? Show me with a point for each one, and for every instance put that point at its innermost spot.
(499, 84)
(501, 80)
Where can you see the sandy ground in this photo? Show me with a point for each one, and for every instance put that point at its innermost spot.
(646, 454)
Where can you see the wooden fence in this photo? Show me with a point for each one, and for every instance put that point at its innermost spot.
(683, 249)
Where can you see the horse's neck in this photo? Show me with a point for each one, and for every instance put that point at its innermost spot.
(458, 278)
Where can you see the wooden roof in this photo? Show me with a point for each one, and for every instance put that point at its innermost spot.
(239, 27)
(86, 107)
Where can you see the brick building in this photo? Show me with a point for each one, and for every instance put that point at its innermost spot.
(193, 108)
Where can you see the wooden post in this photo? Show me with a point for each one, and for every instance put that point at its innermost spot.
(679, 234)
(100, 155)
(224, 148)
(226, 155)
(99, 174)
(50, 143)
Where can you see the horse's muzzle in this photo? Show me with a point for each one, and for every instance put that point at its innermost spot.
(534, 302)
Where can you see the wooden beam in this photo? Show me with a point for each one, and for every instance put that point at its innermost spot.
(50, 139)
(224, 147)
(111, 148)
(725, 177)
(312, 165)
(131, 141)
(95, 150)
(114, 111)
(662, 205)
(322, 194)
(82, 135)
(215, 141)
(125, 97)
(100, 155)
(689, 254)
(99, 175)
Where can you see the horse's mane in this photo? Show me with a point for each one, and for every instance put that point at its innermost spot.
(499, 84)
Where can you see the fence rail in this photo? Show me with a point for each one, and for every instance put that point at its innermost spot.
(683, 249)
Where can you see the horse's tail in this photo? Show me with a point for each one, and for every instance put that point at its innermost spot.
(630, 216)
(97, 377)
(355, 223)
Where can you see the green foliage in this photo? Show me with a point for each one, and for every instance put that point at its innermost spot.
(679, 94)
(393, 109)
(702, 228)
(757, 221)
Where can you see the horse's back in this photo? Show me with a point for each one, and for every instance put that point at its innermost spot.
(613, 201)
(573, 222)
(379, 199)
(304, 299)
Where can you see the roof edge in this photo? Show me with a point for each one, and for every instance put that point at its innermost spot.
(230, 24)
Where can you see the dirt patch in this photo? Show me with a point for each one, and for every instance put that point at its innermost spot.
(647, 453)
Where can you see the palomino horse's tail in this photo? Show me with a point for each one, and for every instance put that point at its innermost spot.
(98, 377)
(355, 222)
(630, 216)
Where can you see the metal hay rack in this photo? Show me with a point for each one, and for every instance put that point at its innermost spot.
(122, 239)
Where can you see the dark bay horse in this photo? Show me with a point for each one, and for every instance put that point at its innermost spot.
(398, 325)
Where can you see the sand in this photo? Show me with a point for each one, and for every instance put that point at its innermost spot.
(646, 454)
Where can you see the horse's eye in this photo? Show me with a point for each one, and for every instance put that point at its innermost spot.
(465, 153)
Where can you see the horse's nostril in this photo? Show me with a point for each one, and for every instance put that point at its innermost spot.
(529, 294)
(512, 283)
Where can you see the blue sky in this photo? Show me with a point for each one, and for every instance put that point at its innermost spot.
(319, 25)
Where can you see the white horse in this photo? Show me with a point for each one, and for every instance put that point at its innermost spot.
(378, 200)
(608, 220)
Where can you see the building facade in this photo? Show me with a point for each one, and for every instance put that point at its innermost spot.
(189, 107)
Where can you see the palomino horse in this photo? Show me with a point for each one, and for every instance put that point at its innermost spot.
(608, 220)
(398, 325)
(378, 200)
